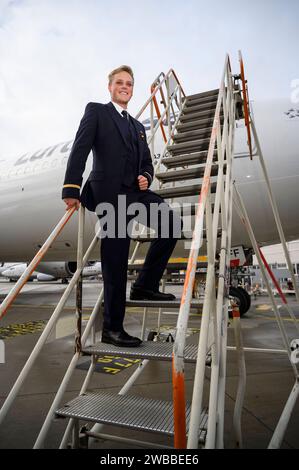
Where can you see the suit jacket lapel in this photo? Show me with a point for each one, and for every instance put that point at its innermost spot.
(113, 114)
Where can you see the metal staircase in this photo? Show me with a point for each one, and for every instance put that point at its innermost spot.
(192, 157)
(194, 169)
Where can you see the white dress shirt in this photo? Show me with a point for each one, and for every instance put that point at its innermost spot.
(118, 108)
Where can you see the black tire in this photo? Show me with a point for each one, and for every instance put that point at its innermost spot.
(242, 299)
(247, 297)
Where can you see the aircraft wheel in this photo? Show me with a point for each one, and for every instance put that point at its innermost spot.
(242, 299)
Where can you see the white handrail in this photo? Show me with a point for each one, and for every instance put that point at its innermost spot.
(34, 263)
(43, 338)
(179, 345)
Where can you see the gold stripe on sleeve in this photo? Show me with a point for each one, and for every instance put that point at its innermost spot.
(72, 186)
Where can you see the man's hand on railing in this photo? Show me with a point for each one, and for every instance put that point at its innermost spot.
(70, 202)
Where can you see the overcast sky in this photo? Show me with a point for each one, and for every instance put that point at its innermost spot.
(55, 55)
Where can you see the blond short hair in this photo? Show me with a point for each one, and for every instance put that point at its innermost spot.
(122, 68)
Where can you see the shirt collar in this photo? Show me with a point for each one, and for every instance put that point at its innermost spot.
(118, 108)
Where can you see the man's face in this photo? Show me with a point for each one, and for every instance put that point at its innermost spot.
(121, 88)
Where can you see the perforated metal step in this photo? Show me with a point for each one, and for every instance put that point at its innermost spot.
(204, 94)
(197, 124)
(187, 159)
(198, 105)
(154, 350)
(163, 304)
(201, 100)
(172, 265)
(189, 147)
(149, 238)
(197, 116)
(192, 135)
(206, 107)
(128, 411)
(182, 191)
(188, 174)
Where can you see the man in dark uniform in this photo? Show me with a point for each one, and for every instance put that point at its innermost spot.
(122, 165)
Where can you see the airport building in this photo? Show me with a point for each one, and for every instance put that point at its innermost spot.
(275, 258)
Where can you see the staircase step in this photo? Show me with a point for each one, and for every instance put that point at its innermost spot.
(182, 191)
(203, 94)
(163, 304)
(180, 263)
(198, 106)
(189, 147)
(201, 100)
(149, 238)
(187, 159)
(201, 124)
(129, 411)
(193, 134)
(154, 350)
(188, 174)
(205, 108)
(197, 116)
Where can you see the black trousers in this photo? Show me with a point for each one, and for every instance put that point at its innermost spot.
(115, 251)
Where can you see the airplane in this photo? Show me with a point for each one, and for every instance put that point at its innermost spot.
(30, 190)
(50, 271)
(5, 266)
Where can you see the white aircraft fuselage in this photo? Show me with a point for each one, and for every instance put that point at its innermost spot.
(31, 204)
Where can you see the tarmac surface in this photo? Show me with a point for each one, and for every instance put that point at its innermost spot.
(270, 377)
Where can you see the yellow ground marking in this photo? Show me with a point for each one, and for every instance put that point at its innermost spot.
(20, 329)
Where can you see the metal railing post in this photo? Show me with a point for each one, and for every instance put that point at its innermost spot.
(36, 260)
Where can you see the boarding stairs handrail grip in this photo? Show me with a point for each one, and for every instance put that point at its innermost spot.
(179, 344)
(46, 332)
(34, 263)
(246, 104)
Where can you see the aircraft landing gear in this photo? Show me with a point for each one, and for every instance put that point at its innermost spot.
(241, 297)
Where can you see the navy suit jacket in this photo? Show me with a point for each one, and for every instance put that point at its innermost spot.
(100, 131)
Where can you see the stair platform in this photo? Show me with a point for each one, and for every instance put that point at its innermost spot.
(153, 350)
(128, 411)
(163, 304)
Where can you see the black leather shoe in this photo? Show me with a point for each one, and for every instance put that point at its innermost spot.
(138, 293)
(120, 338)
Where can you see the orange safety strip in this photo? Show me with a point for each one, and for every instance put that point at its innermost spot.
(180, 435)
(158, 113)
(246, 104)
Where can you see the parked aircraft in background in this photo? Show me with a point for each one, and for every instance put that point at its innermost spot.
(50, 271)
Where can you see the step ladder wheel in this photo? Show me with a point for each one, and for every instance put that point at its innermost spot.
(239, 296)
